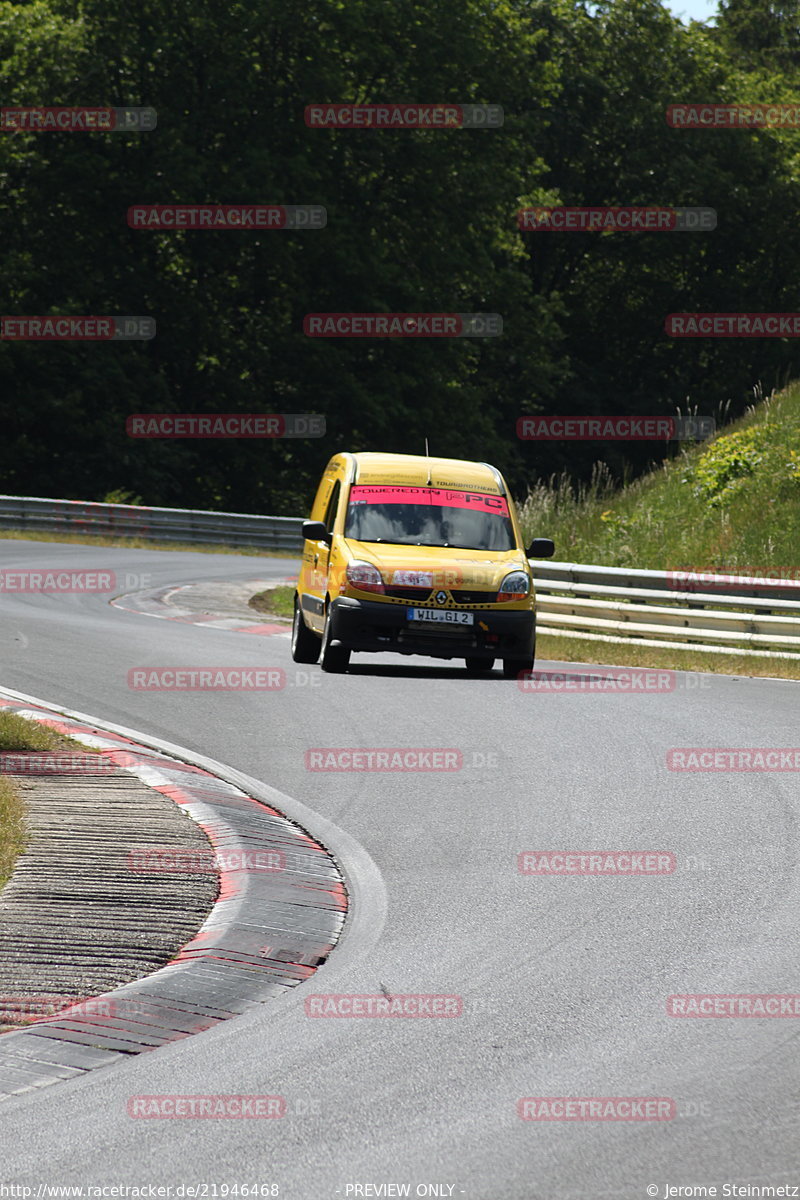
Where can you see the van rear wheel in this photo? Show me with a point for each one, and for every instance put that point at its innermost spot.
(305, 644)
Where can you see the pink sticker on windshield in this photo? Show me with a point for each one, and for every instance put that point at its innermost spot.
(439, 497)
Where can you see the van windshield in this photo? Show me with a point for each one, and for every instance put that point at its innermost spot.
(423, 516)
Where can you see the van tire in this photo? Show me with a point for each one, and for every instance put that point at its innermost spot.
(478, 666)
(305, 644)
(513, 667)
(334, 659)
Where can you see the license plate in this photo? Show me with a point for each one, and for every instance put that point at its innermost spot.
(445, 616)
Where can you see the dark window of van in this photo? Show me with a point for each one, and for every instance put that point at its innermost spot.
(417, 516)
(333, 504)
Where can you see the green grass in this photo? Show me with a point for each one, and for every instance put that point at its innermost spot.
(17, 733)
(277, 601)
(732, 504)
(729, 505)
(12, 828)
(633, 654)
(137, 543)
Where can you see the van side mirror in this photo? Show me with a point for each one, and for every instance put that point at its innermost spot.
(541, 548)
(316, 531)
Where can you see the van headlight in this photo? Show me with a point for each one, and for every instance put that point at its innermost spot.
(515, 586)
(364, 576)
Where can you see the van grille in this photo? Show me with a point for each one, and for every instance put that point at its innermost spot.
(408, 593)
(455, 596)
(460, 596)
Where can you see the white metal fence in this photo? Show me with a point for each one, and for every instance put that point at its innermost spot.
(712, 613)
(191, 526)
(708, 612)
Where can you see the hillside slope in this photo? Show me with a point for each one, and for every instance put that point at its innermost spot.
(728, 505)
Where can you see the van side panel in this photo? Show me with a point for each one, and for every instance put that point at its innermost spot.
(324, 490)
(313, 579)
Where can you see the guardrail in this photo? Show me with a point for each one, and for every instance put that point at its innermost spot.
(611, 604)
(191, 526)
(677, 609)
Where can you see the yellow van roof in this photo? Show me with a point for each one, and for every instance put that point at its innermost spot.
(416, 470)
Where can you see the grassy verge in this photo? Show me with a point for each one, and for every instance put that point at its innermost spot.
(277, 601)
(136, 543)
(729, 505)
(732, 504)
(17, 733)
(629, 654)
(12, 828)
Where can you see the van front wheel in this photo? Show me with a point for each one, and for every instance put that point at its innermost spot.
(335, 659)
(305, 644)
(514, 667)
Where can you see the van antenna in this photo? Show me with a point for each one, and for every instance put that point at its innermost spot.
(427, 455)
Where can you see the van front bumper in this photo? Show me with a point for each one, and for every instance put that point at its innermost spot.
(371, 626)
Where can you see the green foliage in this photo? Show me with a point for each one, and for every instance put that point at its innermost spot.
(12, 828)
(417, 221)
(761, 32)
(17, 733)
(120, 496)
(733, 504)
(721, 468)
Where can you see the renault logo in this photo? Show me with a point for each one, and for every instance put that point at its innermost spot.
(440, 597)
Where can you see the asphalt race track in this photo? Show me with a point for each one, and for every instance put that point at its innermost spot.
(563, 980)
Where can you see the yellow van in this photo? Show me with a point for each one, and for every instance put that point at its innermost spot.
(415, 555)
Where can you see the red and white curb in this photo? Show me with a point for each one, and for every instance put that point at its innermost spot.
(268, 931)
